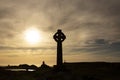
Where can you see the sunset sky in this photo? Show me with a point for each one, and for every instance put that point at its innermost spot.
(92, 29)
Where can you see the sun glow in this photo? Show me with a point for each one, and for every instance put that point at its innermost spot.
(32, 35)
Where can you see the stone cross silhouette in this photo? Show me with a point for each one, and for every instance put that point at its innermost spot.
(59, 37)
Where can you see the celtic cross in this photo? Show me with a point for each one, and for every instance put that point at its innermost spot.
(59, 37)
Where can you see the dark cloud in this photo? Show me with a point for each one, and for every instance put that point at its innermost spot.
(115, 46)
(99, 46)
(5, 13)
(100, 42)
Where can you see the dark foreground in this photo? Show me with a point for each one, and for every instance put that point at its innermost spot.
(71, 71)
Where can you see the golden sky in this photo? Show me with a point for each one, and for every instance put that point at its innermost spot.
(92, 29)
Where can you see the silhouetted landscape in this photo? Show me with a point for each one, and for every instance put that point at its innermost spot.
(62, 71)
(75, 39)
(71, 71)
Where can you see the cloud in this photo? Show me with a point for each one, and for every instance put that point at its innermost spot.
(90, 26)
(98, 47)
(24, 48)
(99, 42)
(115, 46)
(5, 13)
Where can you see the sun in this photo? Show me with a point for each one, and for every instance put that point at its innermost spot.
(32, 35)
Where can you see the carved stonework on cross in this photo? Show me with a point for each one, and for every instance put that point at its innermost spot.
(59, 37)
